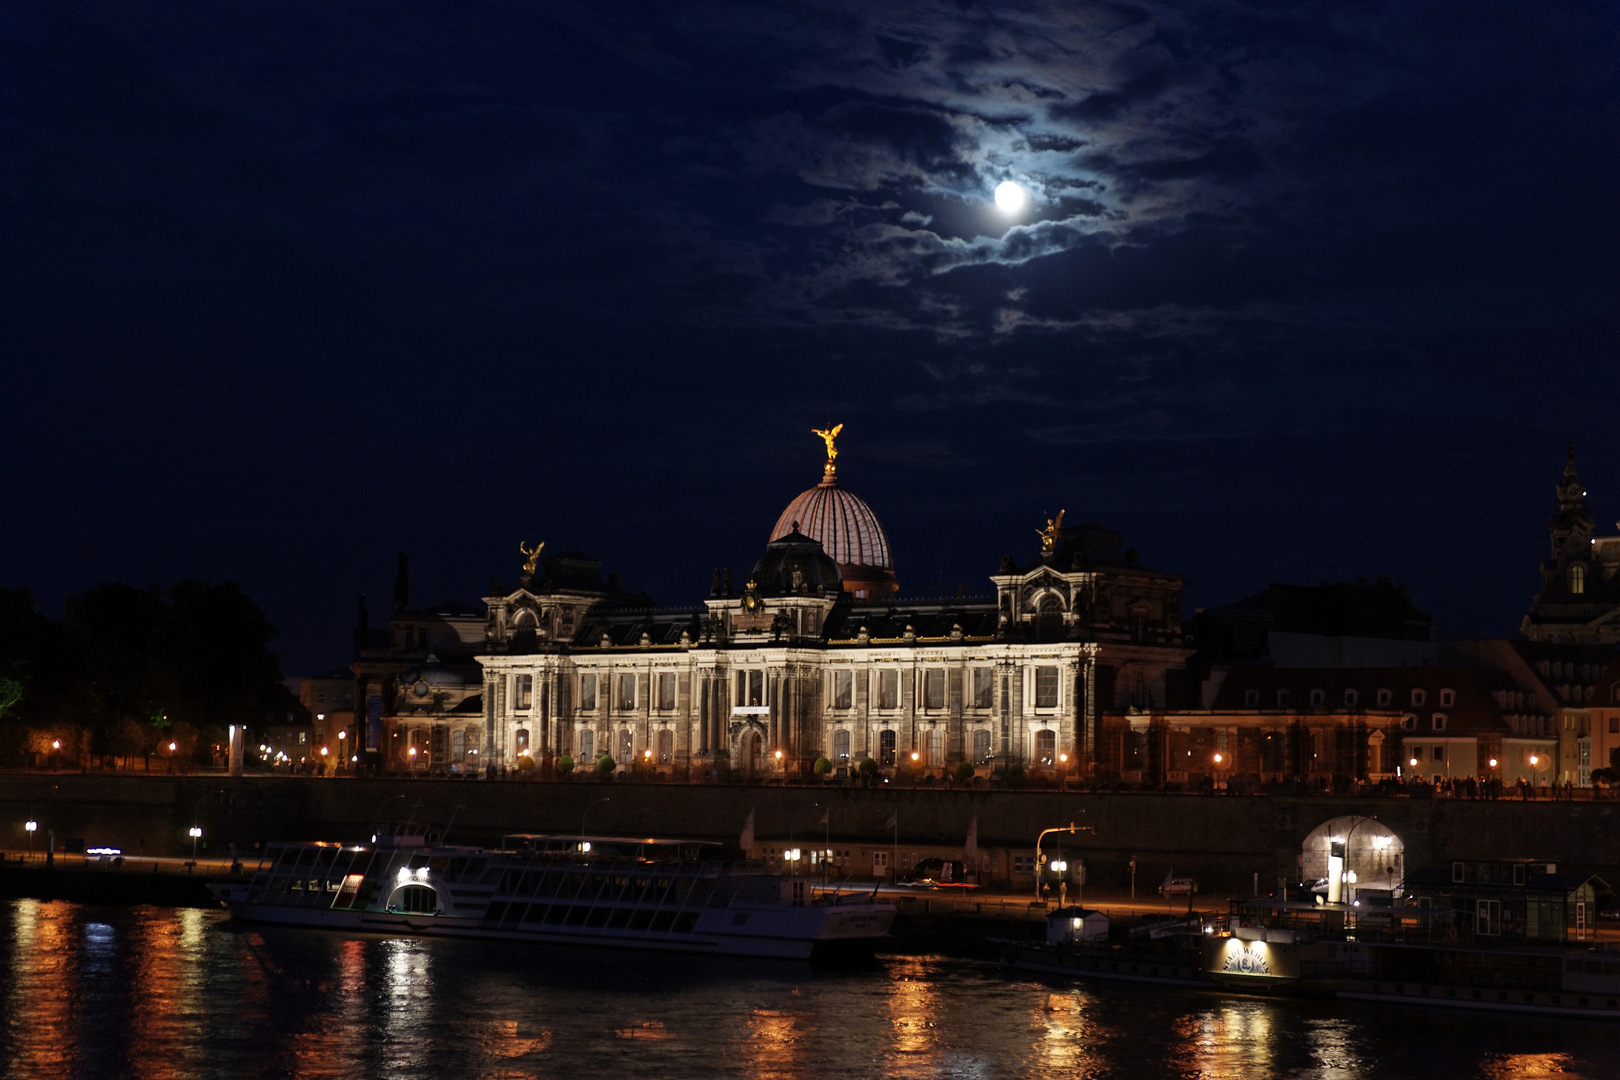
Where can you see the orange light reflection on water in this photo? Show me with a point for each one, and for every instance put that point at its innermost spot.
(39, 988)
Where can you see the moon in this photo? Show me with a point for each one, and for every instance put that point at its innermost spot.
(1010, 197)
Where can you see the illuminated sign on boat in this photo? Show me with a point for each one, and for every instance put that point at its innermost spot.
(1246, 958)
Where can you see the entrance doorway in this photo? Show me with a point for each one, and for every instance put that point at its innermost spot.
(751, 754)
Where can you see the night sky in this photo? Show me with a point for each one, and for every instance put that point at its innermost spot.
(1305, 291)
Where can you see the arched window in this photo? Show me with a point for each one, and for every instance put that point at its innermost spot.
(886, 747)
(981, 745)
(931, 748)
(1049, 619)
(587, 745)
(1045, 746)
(841, 745)
(627, 746)
(1577, 578)
(458, 745)
(520, 740)
(666, 746)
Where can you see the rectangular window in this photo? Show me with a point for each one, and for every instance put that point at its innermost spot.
(1417, 696)
(1447, 698)
(934, 688)
(1046, 687)
(1614, 725)
(587, 693)
(666, 746)
(523, 691)
(666, 690)
(843, 694)
(1350, 699)
(1282, 699)
(886, 745)
(983, 682)
(1384, 698)
(1440, 753)
(627, 692)
(889, 689)
(751, 687)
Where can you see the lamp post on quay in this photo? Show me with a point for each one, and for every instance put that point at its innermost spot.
(30, 827)
(196, 834)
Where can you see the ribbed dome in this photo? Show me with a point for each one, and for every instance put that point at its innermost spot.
(848, 531)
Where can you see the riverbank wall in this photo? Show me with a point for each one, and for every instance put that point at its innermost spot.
(1229, 842)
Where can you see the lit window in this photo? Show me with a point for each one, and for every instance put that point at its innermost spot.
(843, 689)
(522, 691)
(1045, 746)
(1577, 579)
(983, 680)
(1046, 687)
(889, 689)
(886, 747)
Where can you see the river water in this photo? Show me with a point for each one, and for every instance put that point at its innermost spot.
(167, 993)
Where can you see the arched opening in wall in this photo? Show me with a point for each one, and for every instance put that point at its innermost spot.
(1577, 579)
(933, 744)
(415, 751)
(750, 754)
(886, 747)
(524, 636)
(627, 746)
(1049, 619)
(520, 742)
(458, 746)
(666, 746)
(841, 746)
(587, 745)
(981, 745)
(1046, 747)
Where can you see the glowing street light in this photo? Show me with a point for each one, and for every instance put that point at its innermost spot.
(196, 834)
(31, 827)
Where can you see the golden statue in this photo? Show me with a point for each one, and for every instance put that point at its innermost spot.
(827, 436)
(534, 556)
(1049, 535)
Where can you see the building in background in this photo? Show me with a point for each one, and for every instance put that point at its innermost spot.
(1579, 601)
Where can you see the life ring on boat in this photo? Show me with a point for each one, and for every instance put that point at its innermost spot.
(1451, 933)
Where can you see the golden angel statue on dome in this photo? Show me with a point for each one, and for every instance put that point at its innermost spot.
(827, 436)
(533, 556)
(1049, 535)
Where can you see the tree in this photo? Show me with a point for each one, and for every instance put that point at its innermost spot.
(868, 767)
(821, 767)
(605, 765)
(964, 771)
(1014, 776)
(565, 765)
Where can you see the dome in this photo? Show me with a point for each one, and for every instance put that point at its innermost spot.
(795, 564)
(431, 676)
(848, 531)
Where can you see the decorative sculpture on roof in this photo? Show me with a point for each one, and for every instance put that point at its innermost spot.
(827, 436)
(1049, 535)
(533, 556)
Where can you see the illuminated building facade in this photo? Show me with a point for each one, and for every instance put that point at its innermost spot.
(1579, 601)
(818, 655)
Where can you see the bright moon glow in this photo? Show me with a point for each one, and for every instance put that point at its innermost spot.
(1010, 198)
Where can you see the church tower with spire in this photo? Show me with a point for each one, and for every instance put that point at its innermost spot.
(1579, 601)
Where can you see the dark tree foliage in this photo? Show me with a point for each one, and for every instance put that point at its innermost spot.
(127, 670)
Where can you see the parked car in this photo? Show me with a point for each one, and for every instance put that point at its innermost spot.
(1178, 886)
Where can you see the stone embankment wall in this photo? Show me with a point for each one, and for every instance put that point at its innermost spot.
(1223, 840)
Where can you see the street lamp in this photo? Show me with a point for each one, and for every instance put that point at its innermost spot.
(1040, 860)
(586, 845)
(31, 827)
(196, 834)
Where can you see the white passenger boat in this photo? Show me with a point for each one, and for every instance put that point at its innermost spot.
(604, 891)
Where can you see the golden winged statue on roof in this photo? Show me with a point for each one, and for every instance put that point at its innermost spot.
(533, 556)
(1049, 535)
(827, 436)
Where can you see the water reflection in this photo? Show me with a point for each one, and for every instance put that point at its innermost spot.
(150, 993)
